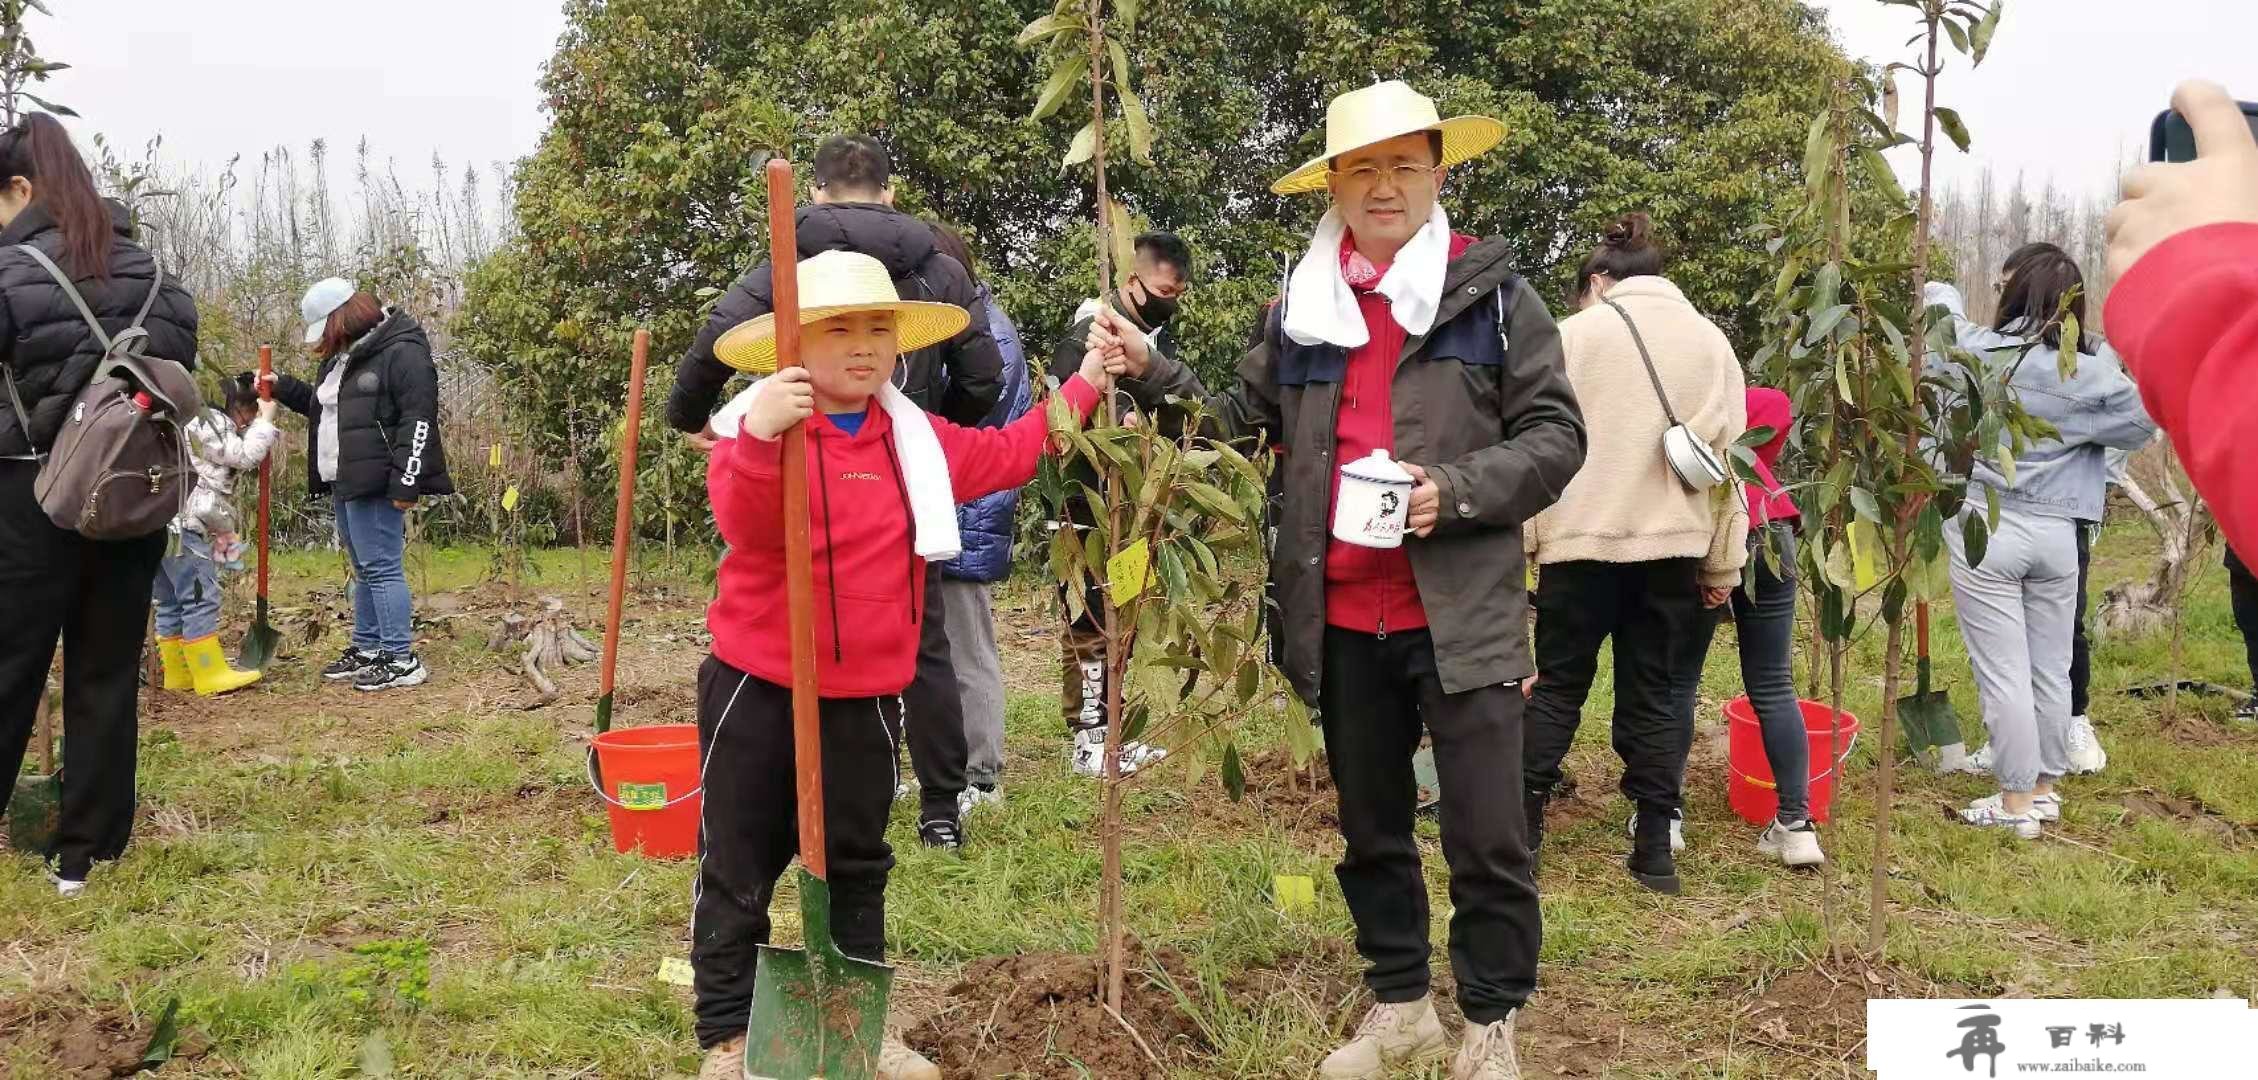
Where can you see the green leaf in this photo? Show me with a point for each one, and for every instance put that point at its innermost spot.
(1140, 126)
(2066, 357)
(1818, 150)
(1070, 75)
(1979, 35)
(1133, 726)
(1172, 576)
(1124, 236)
(1975, 538)
(2005, 455)
(1121, 78)
(1949, 119)
(1757, 436)
(1126, 11)
(1826, 288)
(1234, 773)
(1823, 324)
(1250, 682)
(165, 1037)
(1839, 569)
(1952, 30)
(1215, 501)
(1864, 504)
(1879, 173)
(1084, 146)
(1930, 577)
(1046, 27)
(50, 106)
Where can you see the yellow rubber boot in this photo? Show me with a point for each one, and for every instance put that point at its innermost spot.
(210, 669)
(176, 664)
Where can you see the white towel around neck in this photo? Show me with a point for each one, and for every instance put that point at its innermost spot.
(925, 468)
(1321, 307)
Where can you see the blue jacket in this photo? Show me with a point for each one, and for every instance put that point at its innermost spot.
(989, 523)
(2095, 411)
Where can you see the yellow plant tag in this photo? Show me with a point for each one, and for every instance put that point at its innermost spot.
(1295, 892)
(509, 499)
(494, 456)
(676, 970)
(1128, 573)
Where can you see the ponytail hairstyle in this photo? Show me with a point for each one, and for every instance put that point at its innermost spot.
(39, 150)
(240, 392)
(2030, 301)
(1626, 250)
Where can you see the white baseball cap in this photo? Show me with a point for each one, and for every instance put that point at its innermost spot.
(326, 296)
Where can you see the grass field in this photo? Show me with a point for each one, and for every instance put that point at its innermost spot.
(420, 884)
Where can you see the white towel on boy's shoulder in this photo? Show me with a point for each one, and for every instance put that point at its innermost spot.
(925, 468)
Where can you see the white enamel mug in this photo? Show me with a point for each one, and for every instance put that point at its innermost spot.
(1374, 503)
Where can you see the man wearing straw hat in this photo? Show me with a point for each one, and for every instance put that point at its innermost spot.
(1400, 337)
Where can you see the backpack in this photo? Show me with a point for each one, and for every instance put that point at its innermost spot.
(119, 468)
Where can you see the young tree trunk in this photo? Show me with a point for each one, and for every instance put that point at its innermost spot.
(1828, 917)
(1885, 791)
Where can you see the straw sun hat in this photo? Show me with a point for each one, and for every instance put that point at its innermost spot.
(842, 283)
(1385, 111)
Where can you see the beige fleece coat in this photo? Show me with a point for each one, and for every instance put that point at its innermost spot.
(1626, 505)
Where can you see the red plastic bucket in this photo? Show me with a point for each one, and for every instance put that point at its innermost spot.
(651, 787)
(1749, 785)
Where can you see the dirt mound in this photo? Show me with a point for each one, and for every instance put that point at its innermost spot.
(1293, 799)
(79, 1041)
(1821, 1011)
(1041, 1016)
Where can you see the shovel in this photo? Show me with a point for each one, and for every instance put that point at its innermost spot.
(817, 1012)
(623, 524)
(35, 807)
(259, 644)
(1926, 717)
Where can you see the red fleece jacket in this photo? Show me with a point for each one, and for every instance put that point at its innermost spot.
(1769, 408)
(2186, 321)
(1371, 590)
(869, 583)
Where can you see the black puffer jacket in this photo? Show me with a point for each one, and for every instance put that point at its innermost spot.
(960, 379)
(387, 416)
(46, 345)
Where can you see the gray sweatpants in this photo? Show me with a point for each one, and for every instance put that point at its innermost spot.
(2016, 613)
(980, 676)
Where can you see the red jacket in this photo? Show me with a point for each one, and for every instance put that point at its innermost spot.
(866, 628)
(2186, 321)
(1769, 408)
(1371, 590)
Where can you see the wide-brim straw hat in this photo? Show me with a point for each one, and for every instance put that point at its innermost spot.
(1385, 111)
(838, 283)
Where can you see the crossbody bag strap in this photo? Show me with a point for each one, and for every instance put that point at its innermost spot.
(23, 418)
(1645, 358)
(71, 291)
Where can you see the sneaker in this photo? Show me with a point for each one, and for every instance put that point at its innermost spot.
(2047, 807)
(1979, 763)
(392, 672)
(901, 790)
(1391, 1037)
(1089, 754)
(976, 796)
(1991, 811)
(1677, 830)
(941, 833)
(1487, 1053)
(725, 1061)
(2086, 754)
(67, 888)
(2246, 713)
(896, 1061)
(349, 664)
(1793, 845)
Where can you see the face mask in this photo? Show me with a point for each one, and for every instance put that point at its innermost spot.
(1154, 310)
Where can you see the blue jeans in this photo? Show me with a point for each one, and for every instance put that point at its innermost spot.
(375, 533)
(188, 590)
(1765, 625)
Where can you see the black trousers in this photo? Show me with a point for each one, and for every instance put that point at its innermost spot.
(2242, 589)
(2081, 650)
(1376, 694)
(938, 751)
(750, 830)
(1653, 612)
(94, 597)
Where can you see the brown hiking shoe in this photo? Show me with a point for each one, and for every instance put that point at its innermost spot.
(1391, 1036)
(725, 1061)
(1487, 1053)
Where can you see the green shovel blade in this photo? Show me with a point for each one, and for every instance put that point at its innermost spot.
(1927, 717)
(817, 1012)
(34, 812)
(259, 643)
(1430, 784)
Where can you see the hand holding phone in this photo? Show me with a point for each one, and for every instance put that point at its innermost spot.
(2219, 185)
(2171, 139)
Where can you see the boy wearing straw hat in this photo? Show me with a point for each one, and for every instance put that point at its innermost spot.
(1397, 335)
(884, 479)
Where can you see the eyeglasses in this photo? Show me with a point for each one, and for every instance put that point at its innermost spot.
(1369, 175)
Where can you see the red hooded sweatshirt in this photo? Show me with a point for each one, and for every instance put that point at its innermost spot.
(1371, 590)
(869, 583)
(2186, 321)
(1769, 408)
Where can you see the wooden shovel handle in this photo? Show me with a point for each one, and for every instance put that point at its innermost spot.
(623, 518)
(799, 566)
(266, 468)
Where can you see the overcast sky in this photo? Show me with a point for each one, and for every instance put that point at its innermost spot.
(2070, 85)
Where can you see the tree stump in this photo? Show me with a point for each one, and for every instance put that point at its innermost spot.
(549, 643)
